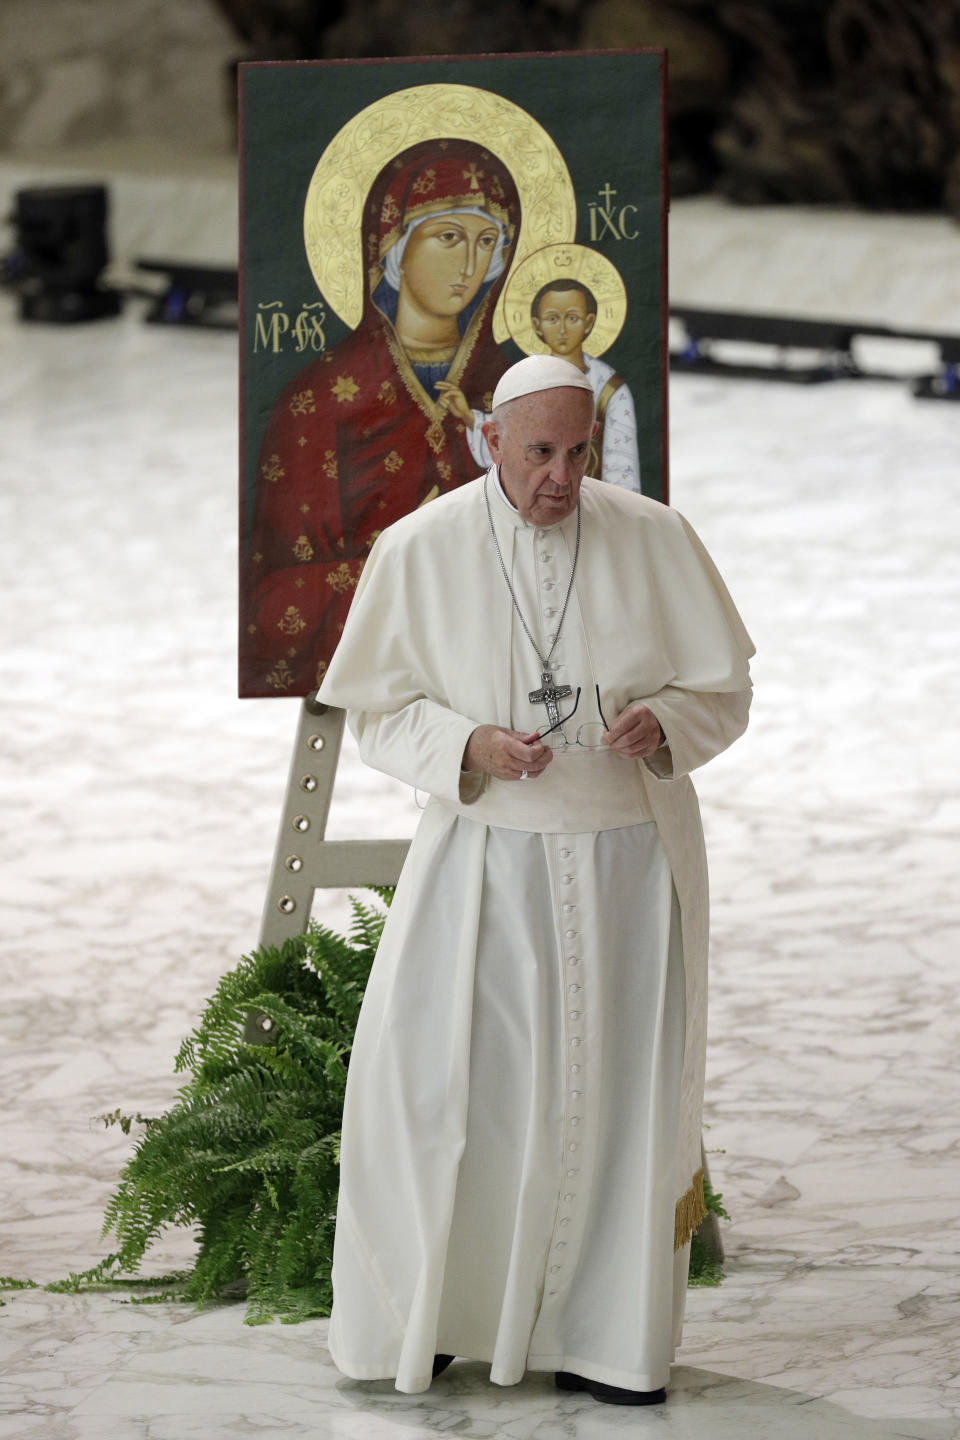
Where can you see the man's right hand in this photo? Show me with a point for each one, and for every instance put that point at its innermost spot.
(505, 754)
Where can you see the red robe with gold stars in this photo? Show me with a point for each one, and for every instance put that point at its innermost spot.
(355, 440)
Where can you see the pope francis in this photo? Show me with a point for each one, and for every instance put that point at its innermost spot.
(548, 657)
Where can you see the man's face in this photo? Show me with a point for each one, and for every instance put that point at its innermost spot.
(542, 451)
(562, 321)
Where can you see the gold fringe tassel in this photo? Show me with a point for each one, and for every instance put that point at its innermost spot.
(691, 1210)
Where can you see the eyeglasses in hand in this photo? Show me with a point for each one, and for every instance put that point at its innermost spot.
(588, 737)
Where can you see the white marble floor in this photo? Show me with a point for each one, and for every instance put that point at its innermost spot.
(140, 800)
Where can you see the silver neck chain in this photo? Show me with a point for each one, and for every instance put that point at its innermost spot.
(544, 659)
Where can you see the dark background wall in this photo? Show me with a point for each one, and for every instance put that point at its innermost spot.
(850, 102)
(837, 101)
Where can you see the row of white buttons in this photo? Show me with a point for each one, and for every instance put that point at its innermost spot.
(572, 1146)
(551, 582)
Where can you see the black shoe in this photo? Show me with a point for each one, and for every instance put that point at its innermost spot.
(440, 1363)
(611, 1394)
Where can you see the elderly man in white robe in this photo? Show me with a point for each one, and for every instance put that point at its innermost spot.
(548, 657)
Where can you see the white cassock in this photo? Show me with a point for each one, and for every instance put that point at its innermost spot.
(520, 1166)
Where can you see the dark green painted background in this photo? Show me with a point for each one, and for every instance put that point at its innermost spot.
(604, 113)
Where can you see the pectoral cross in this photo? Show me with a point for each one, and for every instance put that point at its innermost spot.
(548, 695)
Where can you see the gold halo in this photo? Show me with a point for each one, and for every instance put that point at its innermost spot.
(333, 212)
(565, 262)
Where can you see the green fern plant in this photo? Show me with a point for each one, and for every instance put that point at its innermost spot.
(249, 1153)
(705, 1270)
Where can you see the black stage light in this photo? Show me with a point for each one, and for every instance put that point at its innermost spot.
(199, 295)
(829, 341)
(60, 253)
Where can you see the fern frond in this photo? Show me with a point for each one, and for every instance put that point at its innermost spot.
(248, 1155)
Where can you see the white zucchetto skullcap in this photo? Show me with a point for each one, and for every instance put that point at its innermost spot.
(538, 372)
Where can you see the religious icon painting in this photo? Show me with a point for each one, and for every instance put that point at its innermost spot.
(410, 228)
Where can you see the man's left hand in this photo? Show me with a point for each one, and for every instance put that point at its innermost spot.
(635, 733)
